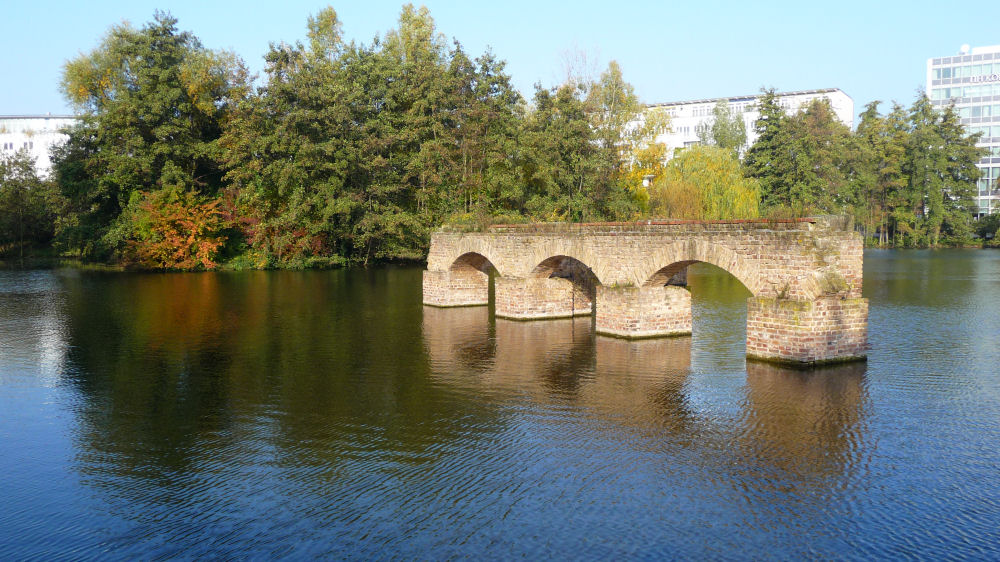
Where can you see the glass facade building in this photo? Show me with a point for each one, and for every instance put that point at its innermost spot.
(971, 80)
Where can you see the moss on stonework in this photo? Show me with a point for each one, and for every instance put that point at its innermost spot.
(833, 282)
(620, 336)
(806, 364)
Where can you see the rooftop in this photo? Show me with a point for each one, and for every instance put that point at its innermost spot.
(746, 98)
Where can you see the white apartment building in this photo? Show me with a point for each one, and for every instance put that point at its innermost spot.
(36, 133)
(971, 81)
(687, 116)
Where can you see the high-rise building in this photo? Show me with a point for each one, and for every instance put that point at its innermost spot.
(971, 80)
(686, 117)
(34, 133)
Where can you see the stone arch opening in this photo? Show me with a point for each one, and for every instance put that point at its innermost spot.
(465, 282)
(677, 259)
(677, 274)
(582, 277)
(473, 261)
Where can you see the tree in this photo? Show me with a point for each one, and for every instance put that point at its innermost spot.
(941, 166)
(877, 168)
(152, 103)
(707, 183)
(28, 204)
(767, 160)
(613, 106)
(561, 158)
(801, 159)
(354, 152)
(726, 129)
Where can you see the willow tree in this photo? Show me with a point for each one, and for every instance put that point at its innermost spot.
(707, 183)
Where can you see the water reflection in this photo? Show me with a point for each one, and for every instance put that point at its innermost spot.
(32, 328)
(330, 414)
(806, 421)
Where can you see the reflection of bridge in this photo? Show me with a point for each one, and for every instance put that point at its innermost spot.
(807, 422)
(805, 276)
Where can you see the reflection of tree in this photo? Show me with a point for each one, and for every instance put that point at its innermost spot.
(184, 373)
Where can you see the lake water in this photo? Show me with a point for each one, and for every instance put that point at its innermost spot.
(329, 414)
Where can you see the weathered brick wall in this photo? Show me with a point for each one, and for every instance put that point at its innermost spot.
(462, 287)
(805, 275)
(642, 312)
(817, 331)
(795, 259)
(536, 298)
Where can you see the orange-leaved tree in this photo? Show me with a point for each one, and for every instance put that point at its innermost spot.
(176, 231)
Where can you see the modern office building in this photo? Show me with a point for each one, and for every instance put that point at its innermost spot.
(971, 80)
(35, 133)
(687, 116)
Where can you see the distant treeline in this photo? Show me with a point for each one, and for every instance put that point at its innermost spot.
(352, 152)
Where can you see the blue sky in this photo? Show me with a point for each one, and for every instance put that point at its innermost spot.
(668, 50)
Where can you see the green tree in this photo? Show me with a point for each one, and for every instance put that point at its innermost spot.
(28, 205)
(726, 130)
(941, 167)
(613, 106)
(877, 168)
(707, 183)
(768, 159)
(354, 152)
(291, 150)
(801, 160)
(152, 103)
(560, 158)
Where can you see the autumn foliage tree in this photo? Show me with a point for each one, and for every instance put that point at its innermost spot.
(175, 231)
(152, 102)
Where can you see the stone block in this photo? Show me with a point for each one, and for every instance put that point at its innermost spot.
(824, 330)
(464, 287)
(534, 298)
(643, 312)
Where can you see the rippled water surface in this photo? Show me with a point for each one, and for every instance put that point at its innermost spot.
(307, 414)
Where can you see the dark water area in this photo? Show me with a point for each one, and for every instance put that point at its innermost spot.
(329, 414)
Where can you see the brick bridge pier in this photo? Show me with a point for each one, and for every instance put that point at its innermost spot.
(804, 274)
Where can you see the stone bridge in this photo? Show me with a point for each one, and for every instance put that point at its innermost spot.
(805, 276)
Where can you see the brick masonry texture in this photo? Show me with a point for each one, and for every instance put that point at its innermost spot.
(643, 312)
(559, 270)
(538, 298)
(807, 332)
(456, 288)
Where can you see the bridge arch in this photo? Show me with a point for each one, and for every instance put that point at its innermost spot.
(471, 254)
(472, 260)
(571, 269)
(672, 258)
(805, 276)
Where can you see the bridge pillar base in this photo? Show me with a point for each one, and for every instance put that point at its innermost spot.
(464, 287)
(824, 330)
(534, 298)
(643, 312)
